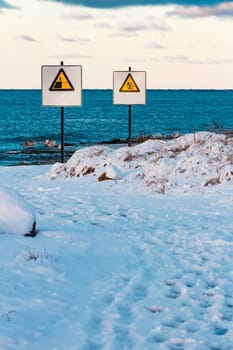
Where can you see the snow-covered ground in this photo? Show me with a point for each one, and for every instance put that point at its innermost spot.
(143, 261)
(16, 214)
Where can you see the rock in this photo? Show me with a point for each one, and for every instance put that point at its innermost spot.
(29, 143)
(49, 143)
(111, 173)
(16, 214)
(104, 177)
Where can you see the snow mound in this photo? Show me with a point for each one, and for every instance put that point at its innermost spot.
(191, 162)
(83, 162)
(16, 215)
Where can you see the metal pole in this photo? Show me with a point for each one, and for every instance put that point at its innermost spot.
(129, 122)
(62, 130)
(129, 119)
(62, 134)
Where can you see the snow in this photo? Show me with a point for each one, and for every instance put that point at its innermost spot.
(188, 163)
(16, 215)
(128, 263)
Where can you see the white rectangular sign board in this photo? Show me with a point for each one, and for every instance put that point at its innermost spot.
(61, 85)
(129, 88)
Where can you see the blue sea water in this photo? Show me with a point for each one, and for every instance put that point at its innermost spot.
(22, 118)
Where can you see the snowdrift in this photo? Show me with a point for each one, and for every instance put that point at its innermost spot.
(16, 215)
(192, 162)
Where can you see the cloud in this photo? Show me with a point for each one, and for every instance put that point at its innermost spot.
(224, 9)
(187, 60)
(4, 4)
(69, 56)
(134, 29)
(75, 40)
(27, 38)
(155, 46)
(123, 35)
(124, 3)
(104, 25)
(145, 27)
(133, 60)
(83, 16)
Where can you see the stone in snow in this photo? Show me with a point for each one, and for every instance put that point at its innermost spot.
(16, 215)
(111, 173)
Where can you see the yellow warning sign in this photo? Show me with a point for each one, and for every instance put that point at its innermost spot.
(129, 85)
(61, 82)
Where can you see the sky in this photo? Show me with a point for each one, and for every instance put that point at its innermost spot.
(179, 44)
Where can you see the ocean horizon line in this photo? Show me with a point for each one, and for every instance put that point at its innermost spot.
(109, 89)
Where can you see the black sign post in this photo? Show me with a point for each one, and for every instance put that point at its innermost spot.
(129, 122)
(62, 130)
(62, 134)
(61, 86)
(129, 88)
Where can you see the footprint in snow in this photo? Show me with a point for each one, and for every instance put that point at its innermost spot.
(155, 309)
(173, 292)
(220, 330)
(137, 293)
(125, 313)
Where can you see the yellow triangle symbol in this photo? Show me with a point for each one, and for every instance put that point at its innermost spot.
(129, 85)
(61, 82)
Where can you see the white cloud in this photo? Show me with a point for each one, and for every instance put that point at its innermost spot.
(26, 37)
(135, 27)
(154, 45)
(69, 56)
(74, 40)
(104, 25)
(81, 16)
(224, 9)
(184, 59)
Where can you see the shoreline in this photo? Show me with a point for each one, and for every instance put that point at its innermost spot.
(40, 155)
